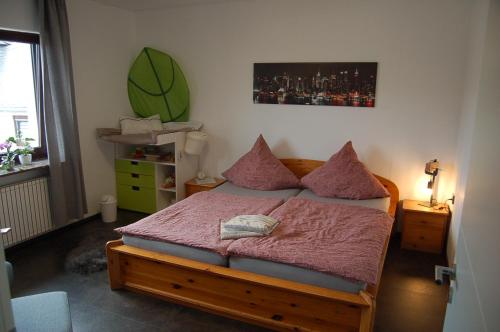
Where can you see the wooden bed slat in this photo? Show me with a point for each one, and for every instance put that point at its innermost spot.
(253, 316)
(230, 294)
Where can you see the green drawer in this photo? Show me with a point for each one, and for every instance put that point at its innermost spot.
(133, 166)
(135, 179)
(136, 198)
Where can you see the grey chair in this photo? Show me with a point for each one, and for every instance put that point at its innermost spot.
(46, 312)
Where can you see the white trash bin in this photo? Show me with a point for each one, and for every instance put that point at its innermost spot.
(108, 208)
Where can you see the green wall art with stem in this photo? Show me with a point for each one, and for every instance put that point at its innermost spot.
(156, 85)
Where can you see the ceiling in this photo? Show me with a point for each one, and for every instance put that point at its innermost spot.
(139, 5)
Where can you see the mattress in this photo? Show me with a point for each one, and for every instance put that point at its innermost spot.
(178, 250)
(295, 273)
(230, 188)
(374, 203)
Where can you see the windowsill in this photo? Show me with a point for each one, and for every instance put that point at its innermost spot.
(20, 169)
(37, 169)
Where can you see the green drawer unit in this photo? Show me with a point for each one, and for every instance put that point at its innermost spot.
(135, 179)
(136, 198)
(134, 166)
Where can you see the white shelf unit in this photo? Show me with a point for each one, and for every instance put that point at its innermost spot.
(182, 169)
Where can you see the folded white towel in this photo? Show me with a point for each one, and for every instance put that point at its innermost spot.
(247, 226)
(228, 235)
(252, 223)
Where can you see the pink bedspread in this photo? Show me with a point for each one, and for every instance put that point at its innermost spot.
(338, 239)
(195, 221)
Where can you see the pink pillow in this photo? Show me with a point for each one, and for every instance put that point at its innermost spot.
(344, 176)
(260, 169)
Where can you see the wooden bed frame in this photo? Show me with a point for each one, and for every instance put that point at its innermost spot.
(270, 302)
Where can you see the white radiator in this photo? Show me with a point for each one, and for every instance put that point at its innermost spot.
(25, 208)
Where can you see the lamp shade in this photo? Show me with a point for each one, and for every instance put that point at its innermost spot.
(195, 142)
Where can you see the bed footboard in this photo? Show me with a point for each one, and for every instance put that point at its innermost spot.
(274, 303)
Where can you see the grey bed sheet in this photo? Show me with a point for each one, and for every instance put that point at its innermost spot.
(179, 250)
(375, 203)
(295, 273)
(229, 188)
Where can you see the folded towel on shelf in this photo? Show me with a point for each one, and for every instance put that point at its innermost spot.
(247, 226)
(182, 126)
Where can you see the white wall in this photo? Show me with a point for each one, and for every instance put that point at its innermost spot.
(102, 40)
(475, 305)
(421, 54)
(420, 49)
(19, 15)
(481, 210)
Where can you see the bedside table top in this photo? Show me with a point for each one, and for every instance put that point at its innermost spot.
(412, 205)
(218, 182)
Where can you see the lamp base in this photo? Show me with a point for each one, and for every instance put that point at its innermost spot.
(430, 203)
(426, 204)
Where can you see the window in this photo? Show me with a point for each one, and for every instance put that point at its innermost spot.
(20, 88)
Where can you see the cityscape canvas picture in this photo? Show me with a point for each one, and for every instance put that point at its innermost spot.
(316, 83)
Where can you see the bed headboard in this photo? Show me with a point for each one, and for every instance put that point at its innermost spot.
(301, 167)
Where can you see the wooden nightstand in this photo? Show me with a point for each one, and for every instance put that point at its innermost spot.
(424, 228)
(192, 187)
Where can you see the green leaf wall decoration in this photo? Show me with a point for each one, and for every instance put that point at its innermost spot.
(156, 85)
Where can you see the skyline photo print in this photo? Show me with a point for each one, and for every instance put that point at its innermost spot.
(316, 83)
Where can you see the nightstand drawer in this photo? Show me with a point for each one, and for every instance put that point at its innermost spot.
(424, 228)
(423, 239)
(428, 221)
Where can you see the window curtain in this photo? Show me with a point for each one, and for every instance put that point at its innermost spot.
(67, 192)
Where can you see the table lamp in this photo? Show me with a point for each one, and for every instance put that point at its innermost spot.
(195, 142)
(431, 169)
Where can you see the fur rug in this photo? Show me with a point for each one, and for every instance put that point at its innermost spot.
(89, 256)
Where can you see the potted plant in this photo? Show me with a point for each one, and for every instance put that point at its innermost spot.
(24, 150)
(8, 157)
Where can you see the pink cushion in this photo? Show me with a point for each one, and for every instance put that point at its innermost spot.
(344, 176)
(260, 169)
